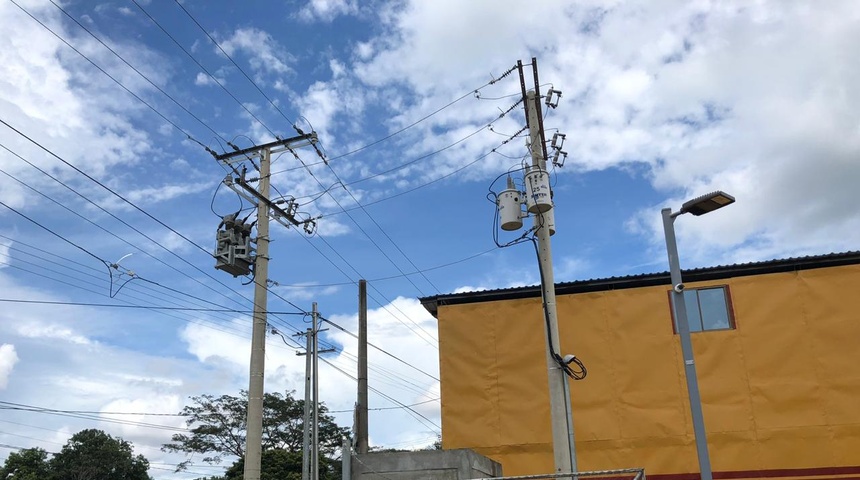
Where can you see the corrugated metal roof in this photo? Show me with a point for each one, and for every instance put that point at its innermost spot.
(431, 303)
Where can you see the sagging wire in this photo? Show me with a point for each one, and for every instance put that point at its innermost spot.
(572, 366)
(564, 363)
(124, 272)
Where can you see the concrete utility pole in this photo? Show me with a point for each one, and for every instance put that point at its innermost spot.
(564, 452)
(306, 452)
(315, 461)
(361, 425)
(254, 434)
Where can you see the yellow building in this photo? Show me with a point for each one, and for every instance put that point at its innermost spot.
(777, 349)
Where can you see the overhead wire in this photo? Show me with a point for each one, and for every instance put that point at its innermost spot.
(135, 229)
(136, 207)
(354, 335)
(391, 240)
(136, 70)
(136, 96)
(417, 415)
(215, 79)
(224, 52)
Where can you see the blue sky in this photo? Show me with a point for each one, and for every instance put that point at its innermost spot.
(660, 103)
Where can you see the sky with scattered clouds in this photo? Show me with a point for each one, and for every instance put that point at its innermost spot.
(107, 110)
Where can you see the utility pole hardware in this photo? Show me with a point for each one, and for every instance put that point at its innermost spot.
(235, 255)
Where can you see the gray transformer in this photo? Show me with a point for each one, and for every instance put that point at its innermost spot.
(234, 253)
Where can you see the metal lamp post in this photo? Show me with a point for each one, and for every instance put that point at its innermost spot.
(697, 206)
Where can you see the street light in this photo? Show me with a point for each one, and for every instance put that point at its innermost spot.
(697, 206)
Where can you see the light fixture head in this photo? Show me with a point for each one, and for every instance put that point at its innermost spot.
(707, 203)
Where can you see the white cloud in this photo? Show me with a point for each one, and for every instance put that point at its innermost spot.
(327, 10)
(8, 359)
(701, 94)
(265, 54)
(203, 79)
(51, 331)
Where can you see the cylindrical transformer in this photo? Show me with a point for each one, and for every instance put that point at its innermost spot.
(538, 198)
(510, 210)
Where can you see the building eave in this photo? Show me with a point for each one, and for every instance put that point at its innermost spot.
(432, 303)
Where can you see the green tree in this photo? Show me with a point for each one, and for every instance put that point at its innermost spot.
(94, 455)
(283, 465)
(28, 464)
(217, 426)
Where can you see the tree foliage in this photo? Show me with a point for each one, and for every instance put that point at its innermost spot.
(88, 455)
(28, 464)
(94, 455)
(217, 427)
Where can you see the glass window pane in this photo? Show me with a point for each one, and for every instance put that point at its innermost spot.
(715, 313)
(693, 316)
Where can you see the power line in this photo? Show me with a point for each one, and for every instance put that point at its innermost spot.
(127, 202)
(392, 277)
(244, 107)
(471, 92)
(379, 349)
(436, 180)
(234, 63)
(372, 241)
(391, 408)
(79, 215)
(137, 71)
(421, 418)
(50, 411)
(382, 305)
(141, 100)
(142, 307)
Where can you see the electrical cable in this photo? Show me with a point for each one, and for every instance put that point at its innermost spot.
(142, 307)
(137, 71)
(131, 204)
(218, 82)
(235, 64)
(432, 425)
(436, 180)
(157, 112)
(380, 349)
(391, 240)
(570, 372)
(392, 277)
(338, 368)
(401, 130)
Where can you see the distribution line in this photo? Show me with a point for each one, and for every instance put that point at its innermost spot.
(380, 349)
(143, 307)
(218, 82)
(135, 70)
(127, 202)
(150, 290)
(392, 277)
(394, 376)
(401, 130)
(127, 304)
(88, 220)
(418, 416)
(431, 182)
(382, 305)
(141, 100)
(234, 62)
(391, 240)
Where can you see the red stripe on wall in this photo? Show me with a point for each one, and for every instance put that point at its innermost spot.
(774, 473)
